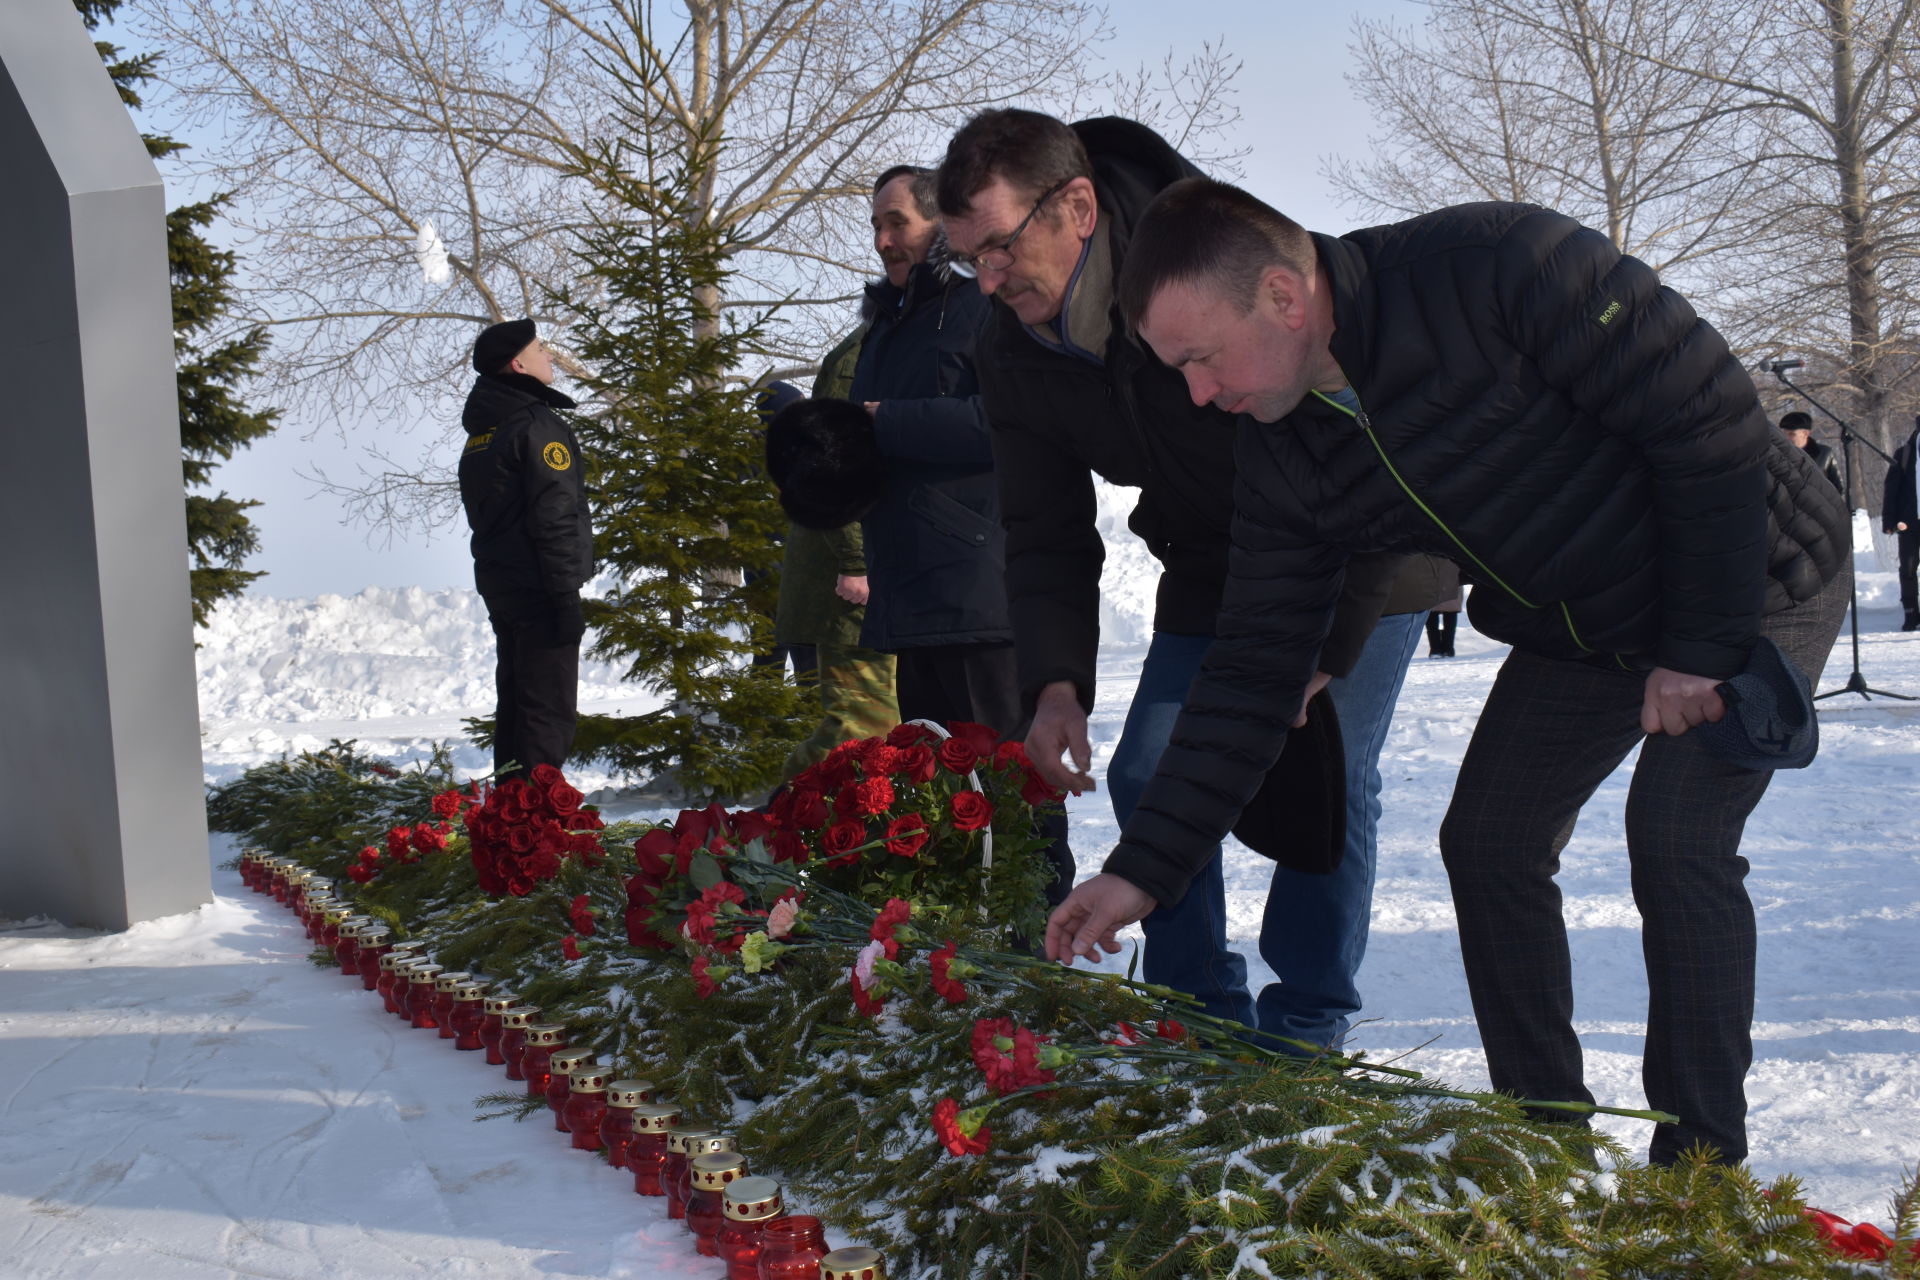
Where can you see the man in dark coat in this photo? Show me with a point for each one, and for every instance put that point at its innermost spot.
(526, 501)
(1900, 516)
(1044, 212)
(933, 541)
(1799, 428)
(1498, 381)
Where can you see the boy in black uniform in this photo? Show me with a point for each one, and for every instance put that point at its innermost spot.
(521, 483)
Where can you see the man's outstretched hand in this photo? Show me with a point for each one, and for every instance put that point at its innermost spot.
(1060, 728)
(1092, 915)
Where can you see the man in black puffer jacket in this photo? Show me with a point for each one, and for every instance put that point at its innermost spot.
(1497, 382)
(526, 501)
(1046, 210)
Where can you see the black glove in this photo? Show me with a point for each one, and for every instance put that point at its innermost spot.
(564, 623)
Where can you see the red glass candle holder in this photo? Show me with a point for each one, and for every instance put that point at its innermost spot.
(855, 1263)
(346, 949)
(544, 1039)
(586, 1107)
(249, 863)
(443, 985)
(616, 1125)
(332, 919)
(393, 978)
(747, 1206)
(492, 1009)
(465, 1019)
(277, 883)
(647, 1153)
(791, 1248)
(560, 1068)
(375, 942)
(420, 995)
(684, 1142)
(706, 1204)
(513, 1036)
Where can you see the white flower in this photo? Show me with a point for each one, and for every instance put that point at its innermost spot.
(863, 967)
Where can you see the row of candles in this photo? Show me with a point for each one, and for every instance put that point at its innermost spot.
(733, 1216)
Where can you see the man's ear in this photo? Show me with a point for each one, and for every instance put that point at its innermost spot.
(1285, 292)
(1081, 206)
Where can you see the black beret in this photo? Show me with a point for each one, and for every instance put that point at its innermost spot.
(823, 456)
(1299, 816)
(500, 343)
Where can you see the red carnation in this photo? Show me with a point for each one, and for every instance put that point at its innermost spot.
(369, 855)
(949, 989)
(703, 984)
(873, 796)
(581, 914)
(430, 839)
(876, 757)
(957, 756)
(947, 1128)
(448, 803)
(971, 810)
(869, 1006)
(891, 917)
(570, 947)
(399, 843)
(360, 872)
(1008, 1055)
(905, 836)
(1168, 1029)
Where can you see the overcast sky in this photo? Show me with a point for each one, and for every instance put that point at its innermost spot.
(1296, 110)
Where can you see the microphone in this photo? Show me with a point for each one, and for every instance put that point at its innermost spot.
(1781, 366)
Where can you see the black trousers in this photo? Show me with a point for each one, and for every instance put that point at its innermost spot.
(978, 683)
(1550, 733)
(1441, 624)
(1909, 570)
(536, 693)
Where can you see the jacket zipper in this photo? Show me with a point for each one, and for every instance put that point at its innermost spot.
(1366, 425)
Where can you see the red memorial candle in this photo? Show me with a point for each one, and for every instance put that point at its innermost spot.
(513, 1036)
(465, 1018)
(647, 1152)
(544, 1039)
(586, 1106)
(791, 1248)
(560, 1082)
(705, 1211)
(746, 1207)
(492, 1009)
(616, 1124)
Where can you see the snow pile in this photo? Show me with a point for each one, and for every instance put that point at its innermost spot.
(1131, 575)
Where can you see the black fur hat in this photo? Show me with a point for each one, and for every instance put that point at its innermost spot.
(823, 456)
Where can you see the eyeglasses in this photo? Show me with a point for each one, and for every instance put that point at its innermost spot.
(1000, 257)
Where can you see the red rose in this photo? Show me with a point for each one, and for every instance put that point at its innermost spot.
(809, 811)
(570, 947)
(360, 872)
(957, 756)
(544, 776)
(520, 838)
(908, 735)
(1037, 793)
(906, 835)
(586, 820)
(971, 810)
(654, 852)
(787, 846)
(581, 914)
(749, 826)
(873, 796)
(977, 736)
(917, 763)
(519, 886)
(843, 839)
(563, 799)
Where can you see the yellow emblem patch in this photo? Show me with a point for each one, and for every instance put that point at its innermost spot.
(480, 441)
(556, 456)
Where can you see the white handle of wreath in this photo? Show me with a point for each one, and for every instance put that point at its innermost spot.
(973, 778)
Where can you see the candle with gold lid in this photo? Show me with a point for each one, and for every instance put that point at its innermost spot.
(705, 1206)
(560, 1082)
(334, 918)
(647, 1153)
(495, 1004)
(513, 1036)
(791, 1248)
(403, 984)
(746, 1207)
(443, 985)
(346, 947)
(684, 1142)
(616, 1124)
(543, 1040)
(465, 1017)
(389, 984)
(375, 942)
(856, 1262)
(586, 1106)
(420, 994)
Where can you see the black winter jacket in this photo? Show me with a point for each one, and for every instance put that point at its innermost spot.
(522, 485)
(933, 543)
(1900, 499)
(1058, 420)
(1536, 406)
(1827, 462)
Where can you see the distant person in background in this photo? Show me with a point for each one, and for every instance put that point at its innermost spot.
(1900, 516)
(823, 596)
(521, 482)
(1442, 622)
(1799, 429)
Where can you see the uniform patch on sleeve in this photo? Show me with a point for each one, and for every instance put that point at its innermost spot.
(480, 441)
(556, 456)
(1605, 315)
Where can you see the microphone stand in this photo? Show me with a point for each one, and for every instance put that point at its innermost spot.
(1856, 682)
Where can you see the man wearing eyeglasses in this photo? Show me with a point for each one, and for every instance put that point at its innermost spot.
(1040, 214)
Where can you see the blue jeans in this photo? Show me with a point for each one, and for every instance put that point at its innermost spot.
(1315, 929)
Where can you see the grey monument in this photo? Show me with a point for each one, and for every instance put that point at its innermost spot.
(102, 818)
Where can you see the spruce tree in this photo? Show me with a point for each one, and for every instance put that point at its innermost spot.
(684, 515)
(214, 422)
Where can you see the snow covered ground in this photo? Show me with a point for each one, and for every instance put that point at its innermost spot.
(190, 1098)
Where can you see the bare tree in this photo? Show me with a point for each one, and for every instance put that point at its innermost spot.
(1534, 100)
(400, 164)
